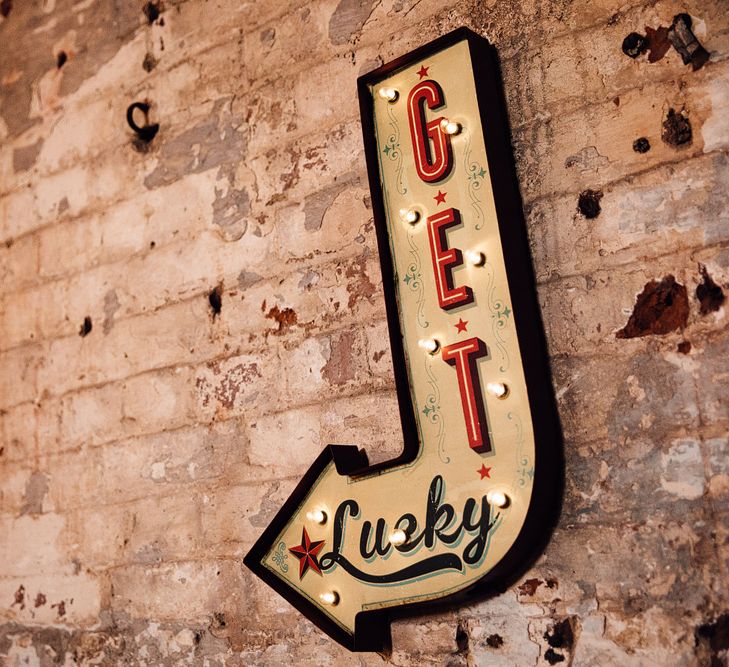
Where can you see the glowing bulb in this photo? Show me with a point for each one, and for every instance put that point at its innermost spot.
(450, 127)
(475, 258)
(317, 516)
(398, 537)
(389, 94)
(497, 498)
(498, 389)
(430, 345)
(330, 597)
(410, 215)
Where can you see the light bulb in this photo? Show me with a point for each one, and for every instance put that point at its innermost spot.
(497, 498)
(317, 516)
(430, 345)
(389, 94)
(498, 389)
(330, 597)
(398, 537)
(410, 215)
(450, 127)
(475, 258)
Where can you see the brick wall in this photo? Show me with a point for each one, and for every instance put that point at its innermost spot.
(147, 439)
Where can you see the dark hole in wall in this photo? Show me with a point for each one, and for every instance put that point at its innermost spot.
(641, 145)
(152, 10)
(676, 128)
(86, 327)
(634, 44)
(588, 203)
(660, 308)
(149, 62)
(684, 347)
(495, 641)
(561, 635)
(215, 299)
(5, 7)
(711, 639)
(709, 294)
(461, 638)
(552, 657)
(61, 59)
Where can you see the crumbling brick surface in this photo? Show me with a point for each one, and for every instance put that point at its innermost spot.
(185, 324)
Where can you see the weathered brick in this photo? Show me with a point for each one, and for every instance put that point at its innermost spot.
(643, 217)
(593, 149)
(229, 270)
(52, 599)
(19, 432)
(351, 421)
(587, 65)
(178, 590)
(712, 379)
(31, 544)
(620, 398)
(610, 481)
(233, 517)
(19, 375)
(286, 443)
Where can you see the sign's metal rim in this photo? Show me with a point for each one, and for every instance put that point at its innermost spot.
(372, 627)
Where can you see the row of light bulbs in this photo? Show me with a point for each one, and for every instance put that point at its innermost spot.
(392, 95)
(473, 257)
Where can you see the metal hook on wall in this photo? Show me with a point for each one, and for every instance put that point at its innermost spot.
(147, 132)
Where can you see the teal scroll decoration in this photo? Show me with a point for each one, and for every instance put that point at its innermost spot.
(524, 464)
(280, 557)
(500, 315)
(393, 152)
(433, 412)
(475, 173)
(414, 280)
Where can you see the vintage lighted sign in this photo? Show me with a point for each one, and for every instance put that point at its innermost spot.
(472, 497)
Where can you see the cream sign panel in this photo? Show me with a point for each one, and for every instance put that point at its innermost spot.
(470, 501)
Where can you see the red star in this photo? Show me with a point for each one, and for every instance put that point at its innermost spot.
(440, 197)
(461, 325)
(423, 71)
(306, 553)
(484, 472)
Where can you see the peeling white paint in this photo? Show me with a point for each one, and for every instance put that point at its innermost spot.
(683, 470)
(715, 129)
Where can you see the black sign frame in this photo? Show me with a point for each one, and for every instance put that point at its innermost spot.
(372, 632)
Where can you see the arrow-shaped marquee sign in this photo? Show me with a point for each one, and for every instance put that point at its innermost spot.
(470, 501)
